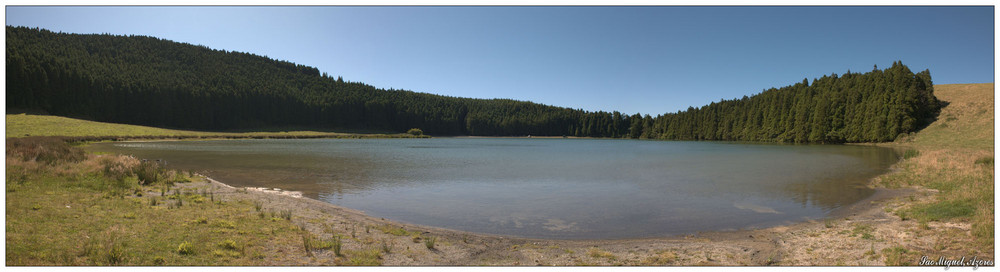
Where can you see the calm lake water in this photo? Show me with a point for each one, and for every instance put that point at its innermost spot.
(546, 188)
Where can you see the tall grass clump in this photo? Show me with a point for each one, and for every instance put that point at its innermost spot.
(149, 173)
(125, 171)
(307, 243)
(910, 153)
(311, 243)
(386, 246)
(336, 245)
(116, 168)
(115, 253)
(429, 242)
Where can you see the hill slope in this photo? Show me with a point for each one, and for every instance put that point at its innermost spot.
(954, 156)
(150, 81)
(967, 120)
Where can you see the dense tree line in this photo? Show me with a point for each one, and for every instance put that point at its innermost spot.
(871, 107)
(150, 81)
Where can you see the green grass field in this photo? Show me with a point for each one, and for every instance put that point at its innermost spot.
(25, 125)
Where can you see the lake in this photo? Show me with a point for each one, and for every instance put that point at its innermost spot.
(545, 188)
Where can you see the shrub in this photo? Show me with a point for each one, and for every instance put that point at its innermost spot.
(185, 248)
(415, 132)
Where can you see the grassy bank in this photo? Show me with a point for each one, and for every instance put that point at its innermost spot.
(26, 125)
(954, 158)
(65, 207)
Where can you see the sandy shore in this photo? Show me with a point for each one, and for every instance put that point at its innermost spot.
(853, 235)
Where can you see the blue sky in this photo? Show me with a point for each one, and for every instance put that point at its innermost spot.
(630, 59)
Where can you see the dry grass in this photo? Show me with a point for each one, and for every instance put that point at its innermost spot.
(598, 253)
(955, 157)
(48, 150)
(364, 257)
(661, 258)
(965, 123)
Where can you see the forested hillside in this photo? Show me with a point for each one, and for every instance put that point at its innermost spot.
(872, 107)
(150, 81)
